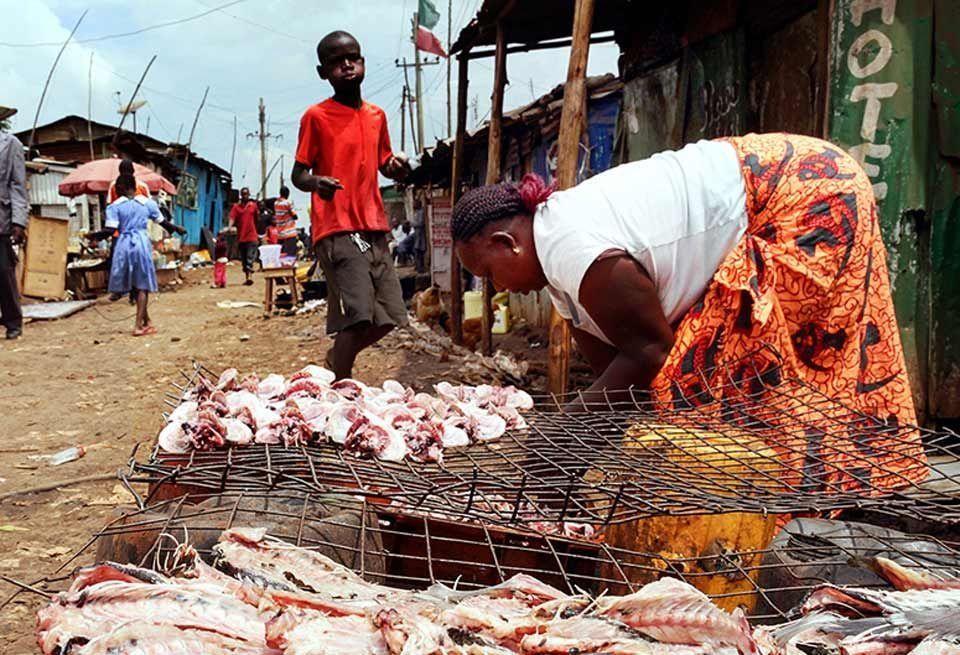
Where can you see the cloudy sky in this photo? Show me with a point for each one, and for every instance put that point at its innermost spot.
(242, 50)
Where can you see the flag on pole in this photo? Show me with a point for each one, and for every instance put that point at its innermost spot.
(427, 19)
(429, 16)
(428, 42)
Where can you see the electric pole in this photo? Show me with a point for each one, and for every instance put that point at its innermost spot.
(263, 135)
(263, 151)
(416, 125)
(403, 119)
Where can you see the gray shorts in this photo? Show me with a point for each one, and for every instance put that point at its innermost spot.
(248, 255)
(361, 287)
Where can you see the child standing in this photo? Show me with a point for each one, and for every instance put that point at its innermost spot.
(343, 143)
(220, 262)
(132, 268)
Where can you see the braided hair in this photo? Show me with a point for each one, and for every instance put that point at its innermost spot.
(483, 205)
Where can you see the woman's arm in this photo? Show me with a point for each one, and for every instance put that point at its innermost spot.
(599, 354)
(622, 300)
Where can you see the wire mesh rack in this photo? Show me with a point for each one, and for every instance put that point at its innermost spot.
(750, 440)
(413, 552)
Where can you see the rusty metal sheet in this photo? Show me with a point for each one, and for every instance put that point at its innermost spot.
(944, 373)
(650, 111)
(785, 91)
(717, 87)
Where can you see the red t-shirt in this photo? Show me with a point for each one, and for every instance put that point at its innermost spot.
(350, 145)
(244, 217)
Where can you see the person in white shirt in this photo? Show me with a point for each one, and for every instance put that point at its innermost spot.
(750, 259)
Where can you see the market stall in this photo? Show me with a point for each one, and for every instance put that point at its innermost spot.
(637, 511)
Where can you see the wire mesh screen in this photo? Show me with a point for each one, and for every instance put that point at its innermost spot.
(749, 441)
(413, 552)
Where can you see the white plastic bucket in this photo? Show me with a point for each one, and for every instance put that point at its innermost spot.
(270, 256)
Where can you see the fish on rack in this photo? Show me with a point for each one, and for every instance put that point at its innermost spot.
(268, 597)
(861, 621)
(390, 422)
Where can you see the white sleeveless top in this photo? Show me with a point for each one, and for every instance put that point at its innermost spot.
(678, 213)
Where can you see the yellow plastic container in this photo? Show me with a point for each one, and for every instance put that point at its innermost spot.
(472, 305)
(473, 308)
(501, 315)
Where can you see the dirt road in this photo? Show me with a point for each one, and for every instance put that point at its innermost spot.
(84, 380)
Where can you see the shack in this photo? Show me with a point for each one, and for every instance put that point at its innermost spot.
(204, 190)
(204, 186)
(876, 78)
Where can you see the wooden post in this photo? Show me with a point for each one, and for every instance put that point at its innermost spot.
(456, 293)
(493, 167)
(572, 120)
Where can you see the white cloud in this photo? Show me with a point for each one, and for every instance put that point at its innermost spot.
(258, 48)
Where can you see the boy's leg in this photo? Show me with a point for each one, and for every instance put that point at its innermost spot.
(350, 299)
(389, 308)
(249, 256)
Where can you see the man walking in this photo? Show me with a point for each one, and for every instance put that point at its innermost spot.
(13, 223)
(243, 217)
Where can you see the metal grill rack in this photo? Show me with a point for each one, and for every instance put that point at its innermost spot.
(414, 552)
(740, 445)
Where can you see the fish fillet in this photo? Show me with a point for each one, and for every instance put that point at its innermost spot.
(250, 554)
(146, 638)
(673, 612)
(105, 606)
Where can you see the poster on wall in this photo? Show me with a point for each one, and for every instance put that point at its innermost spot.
(441, 243)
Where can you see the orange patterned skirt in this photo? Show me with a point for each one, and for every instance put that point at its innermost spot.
(805, 296)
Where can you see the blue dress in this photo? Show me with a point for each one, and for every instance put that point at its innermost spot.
(132, 266)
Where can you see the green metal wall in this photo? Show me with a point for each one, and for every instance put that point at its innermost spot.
(895, 103)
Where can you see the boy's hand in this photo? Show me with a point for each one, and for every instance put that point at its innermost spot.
(396, 168)
(326, 186)
(17, 235)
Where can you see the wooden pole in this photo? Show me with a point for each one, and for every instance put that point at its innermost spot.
(90, 107)
(449, 66)
(233, 151)
(456, 292)
(403, 119)
(572, 120)
(494, 145)
(136, 90)
(46, 85)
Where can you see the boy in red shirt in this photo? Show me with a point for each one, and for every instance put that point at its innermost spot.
(343, 143)
(243, 218)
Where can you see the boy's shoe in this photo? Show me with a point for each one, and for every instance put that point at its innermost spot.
(114, 297)
(14, 333)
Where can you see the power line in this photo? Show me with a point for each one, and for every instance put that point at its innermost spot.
(264, 27)
(149, 28)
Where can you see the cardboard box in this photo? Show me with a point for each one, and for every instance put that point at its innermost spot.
(45, 262)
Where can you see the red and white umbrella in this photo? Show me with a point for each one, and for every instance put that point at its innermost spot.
(97, 176)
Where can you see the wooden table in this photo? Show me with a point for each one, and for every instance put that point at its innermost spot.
(285, 275)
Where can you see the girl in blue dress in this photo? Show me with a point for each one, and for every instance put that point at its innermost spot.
(133, 267)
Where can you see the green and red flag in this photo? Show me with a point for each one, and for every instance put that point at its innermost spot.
(427, 19)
